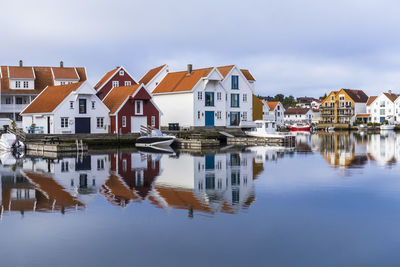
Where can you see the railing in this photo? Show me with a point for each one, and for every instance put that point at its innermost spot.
(12, 107)
(19, 133)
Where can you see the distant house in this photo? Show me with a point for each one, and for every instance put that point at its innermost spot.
(304, 102)
(70, 108)
(21, 84)
(382, 107)
(277, 110)
(154, 76)
(114, 78)
(130, 108)
(343, 106)
(296, 115)
(212, 96)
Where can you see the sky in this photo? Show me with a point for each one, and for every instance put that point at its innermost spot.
(300, 48)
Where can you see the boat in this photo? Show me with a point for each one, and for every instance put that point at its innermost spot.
(9, 142)
(387, 127)
(155, 138)
(262, 129)
(300, 127)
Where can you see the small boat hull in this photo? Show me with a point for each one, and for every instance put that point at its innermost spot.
(299, 128)
(155, 141)
(387, 127)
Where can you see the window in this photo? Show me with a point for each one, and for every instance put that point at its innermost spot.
(64, 122)
(234, 100)
(332, 98)
(82, 106)
(123, 121)
(8, 100)
(17, 84)
(139, 107)
(245, 98)
(341, 97)
(219, 115)
(219, 96)
(199, 95)
(26, 84)
(128, 83)
(100, 122)
(115, 84)
(18, 100)
(244, 116)
(62, 83)
(64, 166)
(198, 115)
(121, 73)
(235, 82)
(93, 104)
(153, 121)
(209, 96)
(100, 164)
(71, 104)
(382, 112)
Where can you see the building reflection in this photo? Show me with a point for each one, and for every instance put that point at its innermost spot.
(384, 148)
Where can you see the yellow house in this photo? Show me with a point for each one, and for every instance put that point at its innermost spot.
(343, 106)
(257, 108)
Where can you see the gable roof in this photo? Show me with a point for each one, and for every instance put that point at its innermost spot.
(371, 99)
(358, 96)
(150, 75)
(43, 78)
(248, 75)
(272, 104)
(392, 97)
(224, 70)
(105, 78)
(65, 74)
(50, 98)
(300, 111)
(21, 72)
(117, 96)
(181, 81)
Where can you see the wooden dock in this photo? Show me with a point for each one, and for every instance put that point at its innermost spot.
(197, 143)
(56, 148)
(284, 140)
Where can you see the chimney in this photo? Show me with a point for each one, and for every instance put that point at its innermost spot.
(61, 64)
(189, 69)
(21, 63)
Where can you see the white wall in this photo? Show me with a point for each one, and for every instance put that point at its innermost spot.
(176, 108)
(31, 84)
(375, 108)
(157, 79)
(60, 82)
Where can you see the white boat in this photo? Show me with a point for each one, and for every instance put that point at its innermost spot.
(387, 127)
(263, 129)
(9, 141)
(155, 138)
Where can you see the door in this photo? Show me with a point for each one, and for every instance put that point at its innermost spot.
(209, 118)
(82, 125)
(48, 125)
(136, 122)
(235, 118)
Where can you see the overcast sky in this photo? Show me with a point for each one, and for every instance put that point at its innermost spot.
(304, 47)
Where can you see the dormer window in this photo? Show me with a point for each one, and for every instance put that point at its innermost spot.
(17, 84)
(121, 73)
(115, 84)
(62, 83)
(26, 84)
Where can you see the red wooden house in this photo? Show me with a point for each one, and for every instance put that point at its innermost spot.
(130, 108)
(115, 78)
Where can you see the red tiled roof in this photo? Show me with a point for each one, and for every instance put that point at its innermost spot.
(21, 72)
(272, 104)
(150, 75)
(224, 70)
(301, 111)
(391, 96)
(371, 99)
(50, 98)
(105, 78)
(358, 96)
(116, 97)
(248, 75)
(181, 81)
(363, 115)
(65, 74)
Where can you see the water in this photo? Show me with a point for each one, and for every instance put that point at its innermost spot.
(334, 201)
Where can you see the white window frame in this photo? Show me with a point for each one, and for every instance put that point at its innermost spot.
(127, 83)
(140, 102)
(17, 84)
(153, 121)
(199, 95)
(71, 104)
(219, 96)
(64, 122)
(244, 97)
(100, 122)
(115, 84)
(26, 84)
(123, 121)
(93, 104)
(121, 73)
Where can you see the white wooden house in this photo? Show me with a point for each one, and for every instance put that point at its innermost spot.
(382, 107)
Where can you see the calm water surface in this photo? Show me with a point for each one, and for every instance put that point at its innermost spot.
(333, 201)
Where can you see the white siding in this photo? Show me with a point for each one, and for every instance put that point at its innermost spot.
(176, 108)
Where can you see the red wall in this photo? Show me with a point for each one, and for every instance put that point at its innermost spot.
(108, 86)
(128, 110)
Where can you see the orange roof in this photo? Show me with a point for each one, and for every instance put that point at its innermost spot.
(150, 75)
(363, 115)
(371, 99)
(21, 73)
(116, 97)
(224, 70)
(391, 96)
(50, 98)
(272, 104)
(65, 73)
(181, 81)
(248, 75)
(105, 78)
